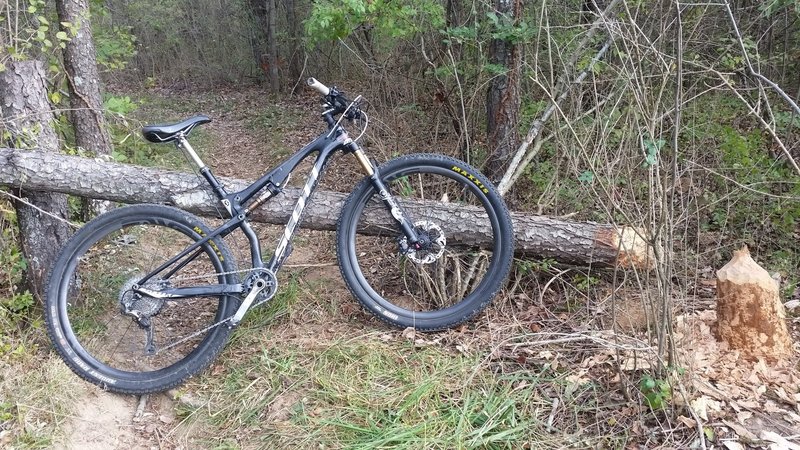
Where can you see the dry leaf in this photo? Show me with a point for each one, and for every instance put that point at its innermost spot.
(629, 364)
(743, 433)
(690, 423)
(781, 393)
(702, 405)
(780, 441)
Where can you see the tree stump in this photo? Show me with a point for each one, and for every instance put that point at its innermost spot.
(750, 316)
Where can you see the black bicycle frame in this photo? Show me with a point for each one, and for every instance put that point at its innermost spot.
(270, 184)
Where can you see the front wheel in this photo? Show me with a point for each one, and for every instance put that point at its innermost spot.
(467, 251)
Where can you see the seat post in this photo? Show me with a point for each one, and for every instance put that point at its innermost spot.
(219, 190)
(186, 148)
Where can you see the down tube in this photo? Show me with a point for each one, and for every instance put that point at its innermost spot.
(311, 184)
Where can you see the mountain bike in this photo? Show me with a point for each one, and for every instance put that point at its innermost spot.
(145, 296)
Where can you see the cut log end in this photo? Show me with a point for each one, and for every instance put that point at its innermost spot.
(750, 316)
(630, 246)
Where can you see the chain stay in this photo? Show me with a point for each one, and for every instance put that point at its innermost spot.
(223, 321)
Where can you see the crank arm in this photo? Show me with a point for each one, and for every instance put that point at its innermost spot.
(260, 286)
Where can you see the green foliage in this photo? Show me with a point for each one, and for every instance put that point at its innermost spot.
(114, 45)
(652, 148)
(529, 266)
(657, 392)
(731, 57)
(584, 282)
(170, 39)
(330, 21)
(509, 29)
(771, 7)
(121, 106)
(33, 34)
(129, 146)
(15, 301)
(587, 176)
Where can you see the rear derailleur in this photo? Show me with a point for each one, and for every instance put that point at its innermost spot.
(142, 308)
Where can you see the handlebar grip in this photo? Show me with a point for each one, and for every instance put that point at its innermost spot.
(319, 87)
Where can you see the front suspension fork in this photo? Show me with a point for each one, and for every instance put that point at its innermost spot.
(388, 199)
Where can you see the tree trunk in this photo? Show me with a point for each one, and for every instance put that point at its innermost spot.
(581, 243)
(502, 97)
(750, 316)
(84, 82)
(295, 47)
(272, 48)
(27, 116)
(86, 104)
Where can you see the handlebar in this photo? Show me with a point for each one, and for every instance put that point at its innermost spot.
(336, 102)
(319, 87)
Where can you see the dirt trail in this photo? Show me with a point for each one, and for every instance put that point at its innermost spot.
(101, 421)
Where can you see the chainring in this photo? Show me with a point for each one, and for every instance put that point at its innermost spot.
(266, 275)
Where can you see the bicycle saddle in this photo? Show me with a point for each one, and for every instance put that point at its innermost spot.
(169, 132)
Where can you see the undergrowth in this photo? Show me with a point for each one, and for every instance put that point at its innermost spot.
(35, 394)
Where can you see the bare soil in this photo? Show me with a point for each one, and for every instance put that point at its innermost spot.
(102, 421)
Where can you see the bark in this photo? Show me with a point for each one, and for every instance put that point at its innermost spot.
(295, 49)
(750, 316)
(80, 63)
(502, 97)
(27, 116)
(272, 48)
(581, 243)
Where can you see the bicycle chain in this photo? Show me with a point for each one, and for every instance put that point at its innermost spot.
(214, 325)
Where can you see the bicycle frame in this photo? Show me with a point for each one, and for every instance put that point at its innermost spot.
(270, 184)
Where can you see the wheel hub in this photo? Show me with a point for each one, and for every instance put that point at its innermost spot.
(430, 246)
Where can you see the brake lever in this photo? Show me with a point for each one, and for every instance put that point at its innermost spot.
(354, 113)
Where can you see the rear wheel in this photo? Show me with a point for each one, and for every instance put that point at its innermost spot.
(465, 257)
(100, 326)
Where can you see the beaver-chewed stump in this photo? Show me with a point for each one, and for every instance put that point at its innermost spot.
(750, 316)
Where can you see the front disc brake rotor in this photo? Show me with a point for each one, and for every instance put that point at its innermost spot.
(430, 252)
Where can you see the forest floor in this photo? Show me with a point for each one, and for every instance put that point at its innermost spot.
(547, 366)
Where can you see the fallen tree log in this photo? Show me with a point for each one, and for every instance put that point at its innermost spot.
(579, 243)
